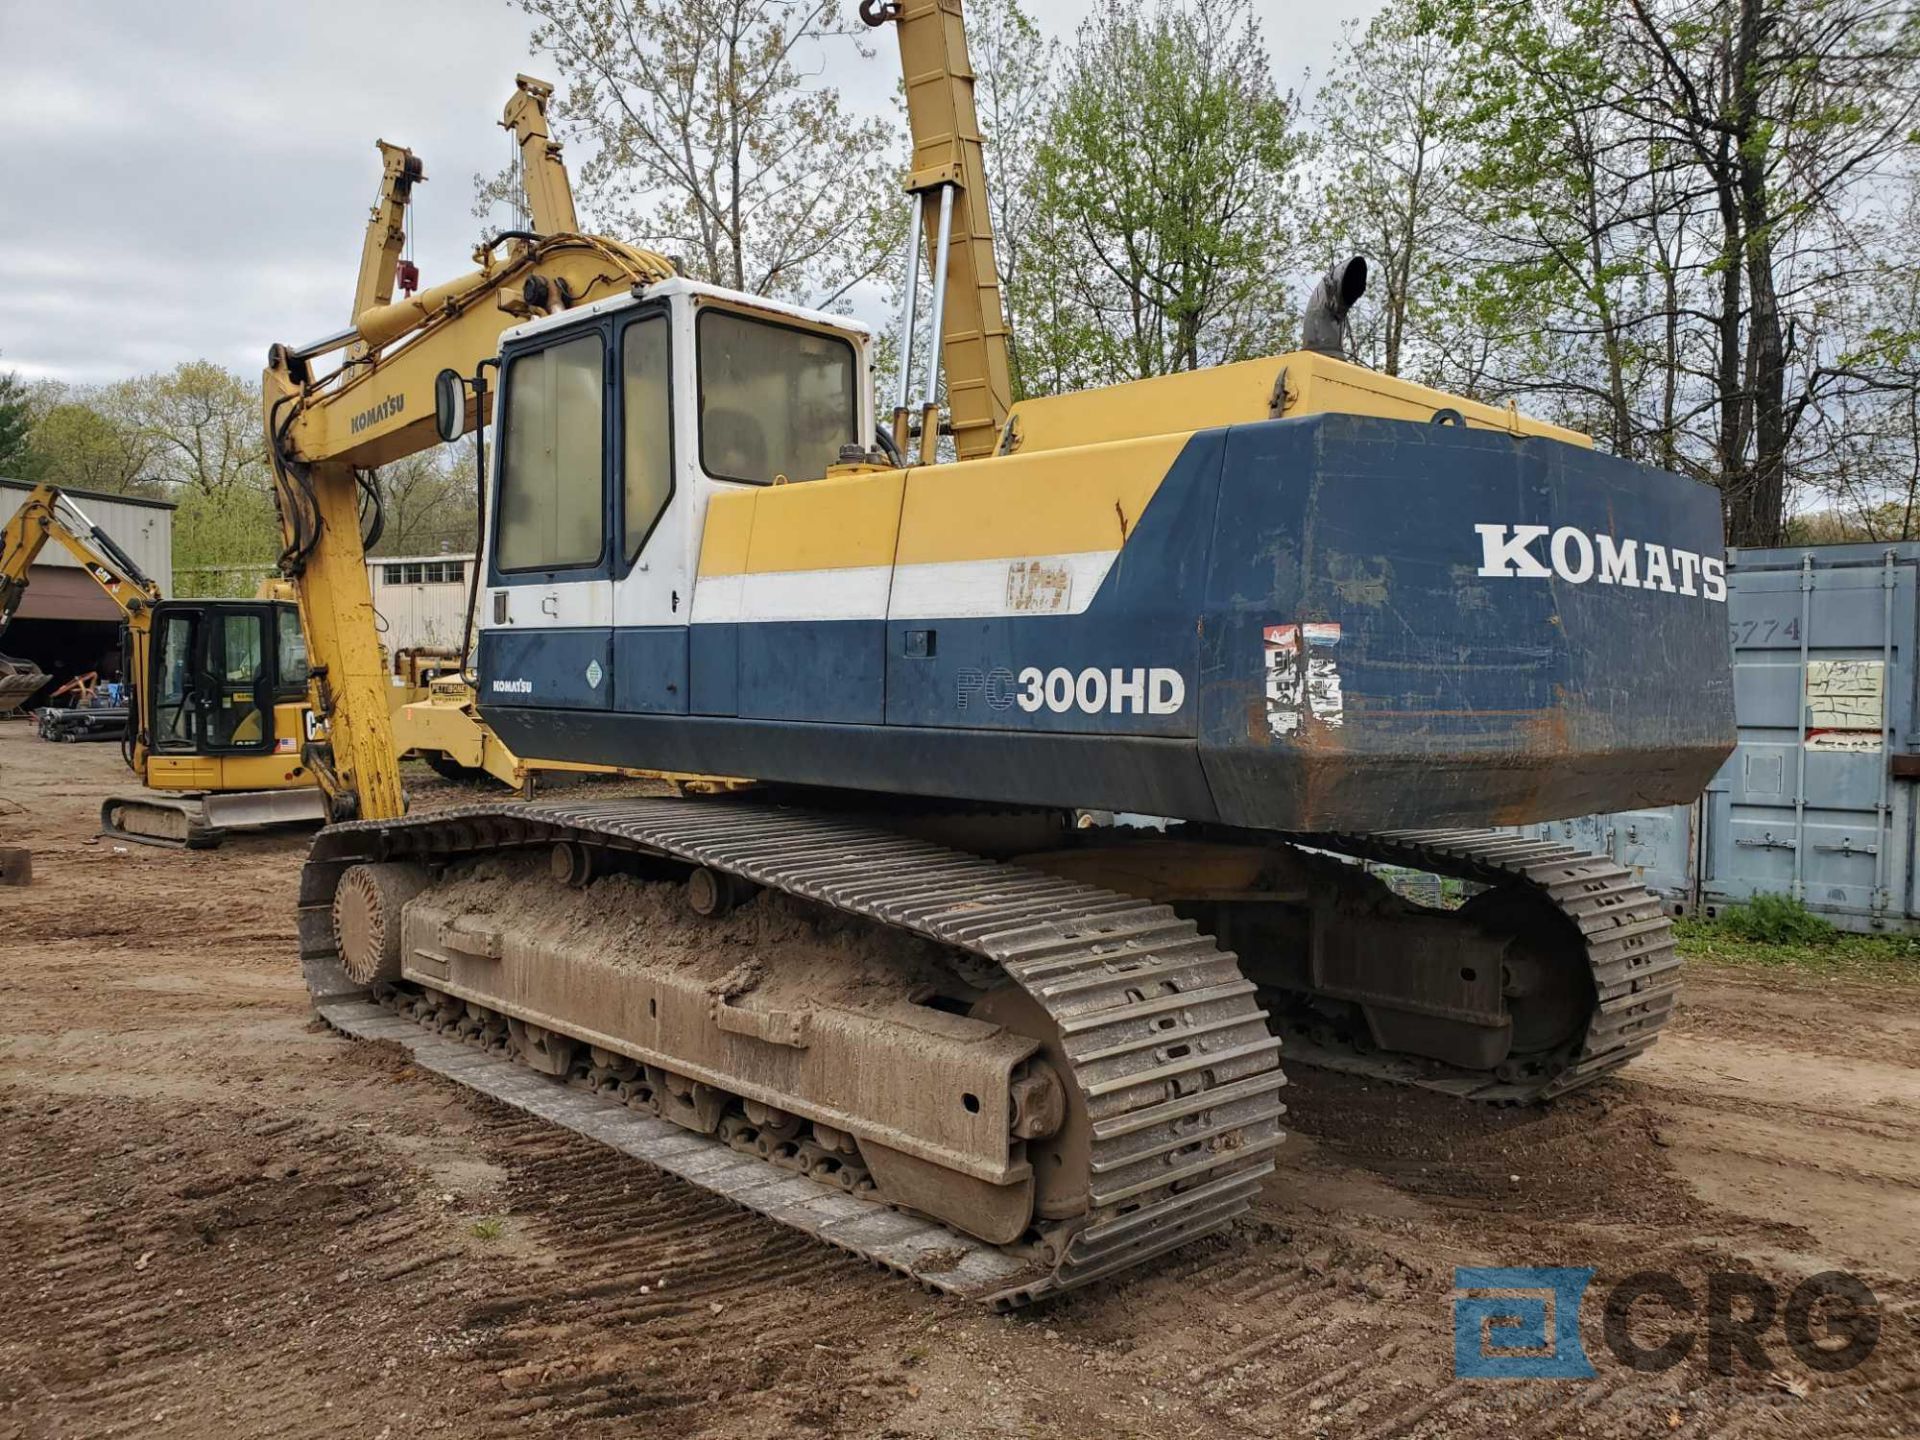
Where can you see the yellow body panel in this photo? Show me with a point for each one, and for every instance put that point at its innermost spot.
(1237, 394)
(826, 524)
(225, 772)
(729, 528)
(1032, 504)
(1004, 508)
(1084, 468)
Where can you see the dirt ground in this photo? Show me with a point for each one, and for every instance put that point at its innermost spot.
(218, 1219)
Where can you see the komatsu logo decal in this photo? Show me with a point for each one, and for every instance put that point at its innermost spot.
(385, 410)
(512, 687)
(1093, 691)
(1508, 552)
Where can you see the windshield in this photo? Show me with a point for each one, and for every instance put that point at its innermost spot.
(774, 400)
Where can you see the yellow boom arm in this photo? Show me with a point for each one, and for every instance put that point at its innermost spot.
(50, 514)
(543, 175)
(949, 184)
(324, 431)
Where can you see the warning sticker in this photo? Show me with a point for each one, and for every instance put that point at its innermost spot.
(1303, 677)
(1846, 705)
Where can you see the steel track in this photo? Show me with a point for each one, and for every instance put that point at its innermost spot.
(1163, 1036)
(1627, 944)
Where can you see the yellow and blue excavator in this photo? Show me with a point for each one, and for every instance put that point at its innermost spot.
(1312, 620)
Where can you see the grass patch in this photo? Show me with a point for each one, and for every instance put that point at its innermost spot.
(491, 1228)
(1774, 933)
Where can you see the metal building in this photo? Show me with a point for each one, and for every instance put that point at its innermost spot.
(420, 599)
(65, 625)
(1818, 800)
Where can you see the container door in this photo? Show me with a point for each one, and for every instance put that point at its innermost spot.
(547, 624)
(1823, 682)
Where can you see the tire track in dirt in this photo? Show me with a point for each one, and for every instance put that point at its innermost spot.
(309, 1276)
(660, 1280)
(140, 1269)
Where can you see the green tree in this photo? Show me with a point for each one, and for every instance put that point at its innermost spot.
(76, 444)
(1166, 192)
(224, 544)
(203, 424)
(15, 421)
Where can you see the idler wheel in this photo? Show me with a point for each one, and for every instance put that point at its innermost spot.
(366, 918)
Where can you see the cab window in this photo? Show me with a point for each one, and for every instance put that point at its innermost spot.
(173, 683)
(551, 515)
(774, 399)
(233, 673)
(290, 648)
(646, 397)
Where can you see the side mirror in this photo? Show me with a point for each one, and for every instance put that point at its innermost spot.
(449, 404)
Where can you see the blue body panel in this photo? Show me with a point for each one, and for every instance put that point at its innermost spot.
(546, 669)
(832, 671)
(650, 669)
(1310, 592)
(1143, 618)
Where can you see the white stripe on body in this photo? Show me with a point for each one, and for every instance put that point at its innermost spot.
(941, 590)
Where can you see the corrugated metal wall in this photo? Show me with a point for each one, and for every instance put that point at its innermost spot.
(421, 599)
(143, 530)
(1813, 802)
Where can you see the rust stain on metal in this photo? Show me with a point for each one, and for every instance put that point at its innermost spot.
(1544, 732)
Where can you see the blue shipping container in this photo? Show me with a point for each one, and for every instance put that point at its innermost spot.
(1818, 799)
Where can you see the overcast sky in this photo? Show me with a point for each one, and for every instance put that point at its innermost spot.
(191, 178)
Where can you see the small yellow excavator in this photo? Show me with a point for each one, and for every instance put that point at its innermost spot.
(217, 707)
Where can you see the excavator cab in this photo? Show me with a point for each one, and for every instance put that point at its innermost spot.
(223, 716)
(220, 674)
(617, 429)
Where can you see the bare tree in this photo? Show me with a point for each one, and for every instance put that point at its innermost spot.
(1788, 113)
(711, 137)
(428, 503)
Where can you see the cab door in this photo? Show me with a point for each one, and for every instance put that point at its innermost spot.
(212, 679)
(654, 589)
(547, 625)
